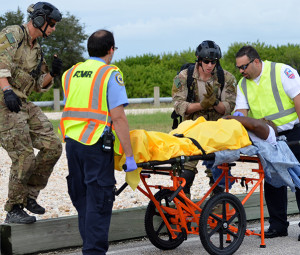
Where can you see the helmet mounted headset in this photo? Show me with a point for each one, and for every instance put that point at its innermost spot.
(41, 13)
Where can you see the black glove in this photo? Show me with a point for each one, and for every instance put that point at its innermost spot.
(56, 66)
(12, 101)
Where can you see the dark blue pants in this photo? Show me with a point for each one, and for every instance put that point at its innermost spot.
(91, 184)
(276, 198)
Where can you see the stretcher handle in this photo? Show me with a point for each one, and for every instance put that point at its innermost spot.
(175, 193)
(118, 191)
(142, 165)
(179, 159)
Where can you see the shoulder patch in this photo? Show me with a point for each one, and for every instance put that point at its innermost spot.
(119, 79)
(289, 73)
(10, 38)
(177, 82)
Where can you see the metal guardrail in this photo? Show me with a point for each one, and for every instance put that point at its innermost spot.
(131, 101)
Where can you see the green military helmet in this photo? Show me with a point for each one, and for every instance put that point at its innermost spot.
(208, 50)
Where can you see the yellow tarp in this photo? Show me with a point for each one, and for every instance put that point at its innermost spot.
(211, 135)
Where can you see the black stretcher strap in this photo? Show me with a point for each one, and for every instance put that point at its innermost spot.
(195, 142)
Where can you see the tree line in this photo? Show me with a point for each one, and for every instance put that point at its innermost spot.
(141, 73)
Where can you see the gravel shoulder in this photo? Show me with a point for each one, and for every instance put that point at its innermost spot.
(56, 200)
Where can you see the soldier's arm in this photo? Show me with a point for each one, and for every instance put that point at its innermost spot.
(9, 39)
(228, 95)
(179, 96)
(220, 108)
(4, 84)
(193, 107)
(45, 81)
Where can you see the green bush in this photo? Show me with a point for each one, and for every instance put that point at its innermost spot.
(142, 73)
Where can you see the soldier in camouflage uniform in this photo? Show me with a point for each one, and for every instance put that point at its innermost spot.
(23, 126)
(210, 100)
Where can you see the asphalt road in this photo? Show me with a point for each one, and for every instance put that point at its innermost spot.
(251, 245)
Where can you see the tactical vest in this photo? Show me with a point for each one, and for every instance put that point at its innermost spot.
(268, 99)
(86, 113)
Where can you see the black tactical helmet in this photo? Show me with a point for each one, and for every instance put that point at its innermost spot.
(208, 49)
(44, 9)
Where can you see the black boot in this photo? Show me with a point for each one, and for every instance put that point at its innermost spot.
(34, 207)
(18, 215)
(217, 189)
(189, 176)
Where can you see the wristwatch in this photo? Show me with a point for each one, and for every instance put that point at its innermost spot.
(217, 102)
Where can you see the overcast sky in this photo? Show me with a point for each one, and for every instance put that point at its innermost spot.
(166, 26)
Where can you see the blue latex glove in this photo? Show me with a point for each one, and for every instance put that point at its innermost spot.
(131, 165)
(238, 114)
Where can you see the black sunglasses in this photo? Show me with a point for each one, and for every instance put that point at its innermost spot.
(207, 61)
(51, 24)
(244, 67)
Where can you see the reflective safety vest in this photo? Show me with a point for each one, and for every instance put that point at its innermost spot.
(86, 114)
(268, 99)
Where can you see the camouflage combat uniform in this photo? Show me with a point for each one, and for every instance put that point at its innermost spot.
(21, 132)
(180, 91)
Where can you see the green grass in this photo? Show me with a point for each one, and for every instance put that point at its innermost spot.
(161, 122)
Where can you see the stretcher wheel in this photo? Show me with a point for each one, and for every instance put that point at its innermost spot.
(222, 224)
(155, 227)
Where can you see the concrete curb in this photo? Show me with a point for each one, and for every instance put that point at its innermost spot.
(58, 233)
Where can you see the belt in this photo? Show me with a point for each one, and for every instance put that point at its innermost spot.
(287, 131)
(296, 125)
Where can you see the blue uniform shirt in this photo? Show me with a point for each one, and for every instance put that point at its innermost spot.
(116, 92)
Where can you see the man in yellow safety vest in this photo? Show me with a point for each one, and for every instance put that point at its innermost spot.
(94, 126)
(272, 91)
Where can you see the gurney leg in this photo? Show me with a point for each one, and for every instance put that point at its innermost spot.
(262, 223)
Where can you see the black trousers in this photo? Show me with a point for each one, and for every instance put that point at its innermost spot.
(91, 184)
(276, 198)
